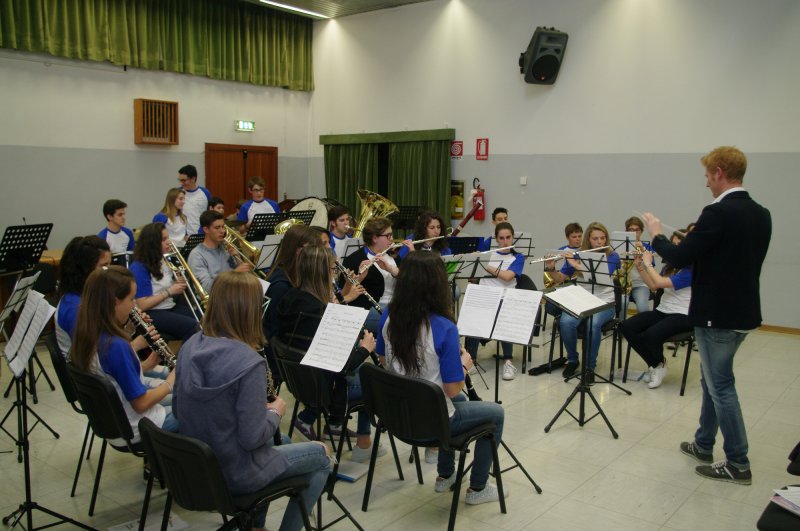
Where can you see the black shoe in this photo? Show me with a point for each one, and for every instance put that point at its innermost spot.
(569, 369)
(724, 471)
(590, 378)
(691, 449)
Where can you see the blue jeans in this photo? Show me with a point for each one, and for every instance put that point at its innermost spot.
(170, 422)
(720, 408)
(177, 322)
(372, 322)
(309, 461)
(640, 296)
(467, 416)
(569, 334)
(471, 344)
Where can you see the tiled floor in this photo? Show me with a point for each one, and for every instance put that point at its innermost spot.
(590, 480)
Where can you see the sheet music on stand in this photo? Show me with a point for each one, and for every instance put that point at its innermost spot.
(453, 263)
(523, 243)
(503, 314)
(576, 301)
(269, 251)
(32, 320)
(336, 335)
(624, 241)
(352, 245)
(17, 298)
(595, 271)
(263, 224)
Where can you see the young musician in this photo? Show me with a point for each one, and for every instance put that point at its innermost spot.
(118, 236)
(419, 338)
(505, 268)
(338, 224)
(197, 198)
(647, 331)
(499, 215)
(82, 255)
(102, 346)
(640, 292)
(574, 234)
(209, 258)
(172, 216)
(428, 225)
(299, 314)
(221, 398)
(156, 285)
(258, 204)
(379, 273)
(217, 203)
(596, 235)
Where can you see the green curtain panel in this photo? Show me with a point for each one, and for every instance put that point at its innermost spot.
(419, 174)
(220, 39)
(349, 167)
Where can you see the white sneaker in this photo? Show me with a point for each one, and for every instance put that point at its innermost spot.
(657, 376)
(647, 375)
(488, 494)
(444, 484)
(431, 456)
(362, 455)
(509, 371)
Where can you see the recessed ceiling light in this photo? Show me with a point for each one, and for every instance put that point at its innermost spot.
(293, 8)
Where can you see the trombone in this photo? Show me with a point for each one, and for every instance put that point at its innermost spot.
(196, 297)
(243, 251)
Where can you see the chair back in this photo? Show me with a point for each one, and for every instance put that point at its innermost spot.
(60, 366)
(188, 467)
(411, 409)
(101, 404)
(307, 384)
(526, 282)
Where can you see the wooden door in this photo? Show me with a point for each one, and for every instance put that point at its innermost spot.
(230, 166)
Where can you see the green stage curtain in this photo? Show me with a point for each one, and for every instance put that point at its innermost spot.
(220, 39)
(419, 174)
(348, 168)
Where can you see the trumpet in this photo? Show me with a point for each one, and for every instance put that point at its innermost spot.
(243, 251)
(159, 346)
(354, 281)
(394, 246)
(196, 297)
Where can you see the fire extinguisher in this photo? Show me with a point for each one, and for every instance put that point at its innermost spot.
(478, 198)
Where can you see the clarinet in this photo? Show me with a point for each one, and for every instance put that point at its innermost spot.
(159, 346)
(472, 394)
(354, 281)
(271, 396)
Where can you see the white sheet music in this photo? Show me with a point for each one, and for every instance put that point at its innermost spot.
(269, 251)
(478, 310)
(598, 261)
(517, 316)
(16, 300)
(575, 299)
(336, 335)
(31, 322)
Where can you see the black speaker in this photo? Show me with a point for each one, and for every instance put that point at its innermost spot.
(541, 61)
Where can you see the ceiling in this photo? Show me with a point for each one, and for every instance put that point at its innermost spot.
(342, 8)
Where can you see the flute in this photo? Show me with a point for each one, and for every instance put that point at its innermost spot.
(561, 256)
(394, 246)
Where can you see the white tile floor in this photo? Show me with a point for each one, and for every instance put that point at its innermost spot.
(590, 480)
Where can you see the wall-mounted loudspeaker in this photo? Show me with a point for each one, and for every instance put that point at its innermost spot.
(541, 61)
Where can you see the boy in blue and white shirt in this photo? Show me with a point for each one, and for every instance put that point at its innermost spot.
(258, 204)
(197, 198)
(119, 237)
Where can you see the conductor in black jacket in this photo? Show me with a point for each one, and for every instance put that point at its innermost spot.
(726, 250)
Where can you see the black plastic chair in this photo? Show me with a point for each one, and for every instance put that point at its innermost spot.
(101, 404)
(414, 411)
(677, 339)
(312, 387)
(62, 373)
(195, 482)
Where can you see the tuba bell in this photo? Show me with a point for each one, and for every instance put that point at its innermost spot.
(287, 224)
(373, 205)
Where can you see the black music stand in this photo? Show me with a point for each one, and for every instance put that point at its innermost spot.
(20, 251)
(405, 218)
(264, 224)
(28, 327)
(269, 251)
(193, 241)
(463, 245)
(122, 259)
(583, 387)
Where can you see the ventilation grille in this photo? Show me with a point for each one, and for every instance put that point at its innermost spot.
(155, 122)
